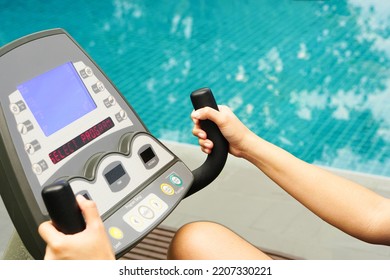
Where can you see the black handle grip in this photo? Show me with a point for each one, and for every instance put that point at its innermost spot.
(216, 160)
(63, 208)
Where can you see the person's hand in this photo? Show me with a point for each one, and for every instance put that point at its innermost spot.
(92, 243)
(231, 127)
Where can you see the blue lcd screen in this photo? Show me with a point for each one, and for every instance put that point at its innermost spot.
(57, 98)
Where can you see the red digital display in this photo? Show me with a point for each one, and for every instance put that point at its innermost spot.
(83, 139)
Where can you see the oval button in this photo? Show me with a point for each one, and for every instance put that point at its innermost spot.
(167, 189)
(115, 232)
(146, 212)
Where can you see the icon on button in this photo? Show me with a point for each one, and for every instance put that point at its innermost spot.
(167, 189)
(98, 87)
(146, 212)
(86, 72)
(136, 221)
(25, 127)
(176, 180)
(32, 147)
(155, 203)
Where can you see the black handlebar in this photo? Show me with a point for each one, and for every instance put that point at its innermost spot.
(63, 208)
(215, 161)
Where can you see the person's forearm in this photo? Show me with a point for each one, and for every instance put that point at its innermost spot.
(340, 202)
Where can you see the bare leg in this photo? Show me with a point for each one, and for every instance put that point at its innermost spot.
(208, 241)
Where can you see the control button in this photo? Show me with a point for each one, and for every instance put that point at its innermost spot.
(148, 156)
(156, 203)
(86, 72)
(110, 101)
(176, 180)
(167, 189)
(136, 221)
(14, 108)
(146, 212)
(115, 232)
(121, 115)
(25, 127)
(32, 147)
(39, 167)
(17, 107)
(116, 176)
(98, 87)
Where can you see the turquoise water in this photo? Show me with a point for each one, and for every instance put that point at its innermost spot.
(310, 76)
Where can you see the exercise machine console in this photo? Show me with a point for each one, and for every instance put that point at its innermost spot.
(65, 129)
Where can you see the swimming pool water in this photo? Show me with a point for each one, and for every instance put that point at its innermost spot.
(310, 76)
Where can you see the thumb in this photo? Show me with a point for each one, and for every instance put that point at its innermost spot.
(48, 232)
(89, 209)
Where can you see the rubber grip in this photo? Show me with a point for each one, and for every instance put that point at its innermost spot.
(63, 208)
(215, 161)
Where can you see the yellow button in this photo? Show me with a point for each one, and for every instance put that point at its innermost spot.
(115, 232)
(167, 189)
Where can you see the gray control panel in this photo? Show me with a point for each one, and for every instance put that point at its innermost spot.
(61, 112)
(61, 118)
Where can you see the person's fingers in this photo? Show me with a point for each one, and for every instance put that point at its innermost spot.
(48, 232)
(206, 143)
(89, 209)
(207, 113)
(198, 132)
